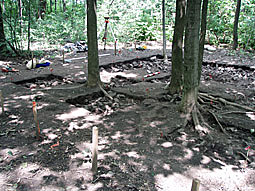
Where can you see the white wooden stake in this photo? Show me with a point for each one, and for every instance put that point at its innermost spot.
(94, 149)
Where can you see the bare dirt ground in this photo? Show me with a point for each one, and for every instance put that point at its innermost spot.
(142, 142)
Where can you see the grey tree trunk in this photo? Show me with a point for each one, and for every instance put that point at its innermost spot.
(202, 37)
(164, 29)
(3, 46)
(177, 46)
(29, 23)
(93, 61)
(191, 56)
(235, 33)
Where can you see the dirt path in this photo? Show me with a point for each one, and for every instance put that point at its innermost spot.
(142, 143)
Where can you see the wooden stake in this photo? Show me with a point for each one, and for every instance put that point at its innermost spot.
(94, 149)
(63, 53)
(115, 48)
(36, 121)
(32, 60)
(195, 185)
(2, 101)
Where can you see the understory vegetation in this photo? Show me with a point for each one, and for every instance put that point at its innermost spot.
(54, 24)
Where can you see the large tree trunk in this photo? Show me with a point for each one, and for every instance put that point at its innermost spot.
(235, 33)
(3, 46)
(191, 56)
(202, 37)
(93, 61)
(177, 52)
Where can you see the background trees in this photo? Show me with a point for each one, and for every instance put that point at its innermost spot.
(57, 21)
(3, 46)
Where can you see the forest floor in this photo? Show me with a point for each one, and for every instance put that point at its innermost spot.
(142, 142)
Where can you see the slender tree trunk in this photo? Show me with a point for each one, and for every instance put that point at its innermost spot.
(29, 23)
(55, 6)
(202, 37)
(20, 15)
(39, 8)
(3, 46)
(93, 61)
(177, 48)
(51, 6)
(3, 6)
(164, 30)
(235, 33)
(85, 17)
(191, 56)
(64, 6)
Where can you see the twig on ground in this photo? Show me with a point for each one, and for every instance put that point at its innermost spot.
(237, 112)
(243, 155)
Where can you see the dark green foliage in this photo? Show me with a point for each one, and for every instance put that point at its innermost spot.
(221, 22)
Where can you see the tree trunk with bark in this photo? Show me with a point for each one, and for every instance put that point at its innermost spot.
(64, 6)
(55, 6)
(164, 30)
(202, 37)
(177, 48)
(3, 45)
(235, 33)
(51, 6)
(191, 56)
(93, 61)
(29, 23)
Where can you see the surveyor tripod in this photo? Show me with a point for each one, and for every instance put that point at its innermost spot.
(107, 23)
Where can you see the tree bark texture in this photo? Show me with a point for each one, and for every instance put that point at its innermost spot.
(93, 61)
(202, 37)
(235, 33)
(51, 6)
(64, 6)
(55, 6)
(29, 23)
(191, 56)
(177, 48)
(3, 46)
(164, 29)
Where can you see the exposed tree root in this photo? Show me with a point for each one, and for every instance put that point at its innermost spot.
(204, 98)
(67, 88)
(202, 118)
(204, 95)
(105, 93)
(216, 119)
